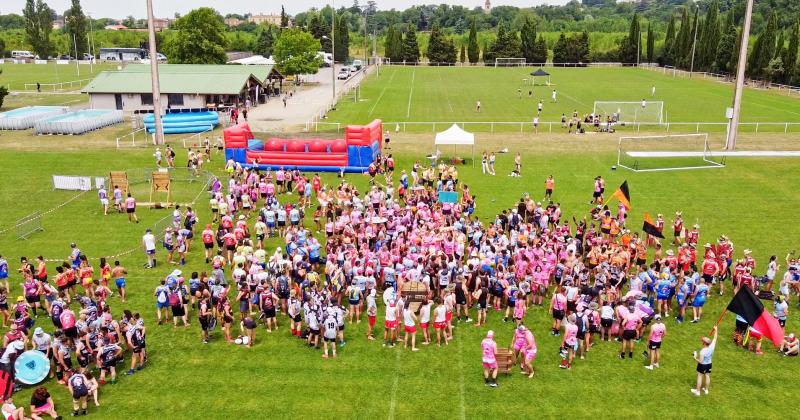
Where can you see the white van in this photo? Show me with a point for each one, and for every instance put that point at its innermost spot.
(21, 54)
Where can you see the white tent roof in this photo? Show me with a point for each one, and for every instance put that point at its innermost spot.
(255, 59)
(455, 135)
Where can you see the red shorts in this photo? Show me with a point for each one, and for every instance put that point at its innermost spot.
(448, 316)
(423, 325)
(390, 324)
(492, 365)
(371, 320)
(439, 325)
(411, 329)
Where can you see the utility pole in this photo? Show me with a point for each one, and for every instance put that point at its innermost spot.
(737, 93)
(89, 45)
(159, 133)
(75, 44)
(333, 54)
(694, 43)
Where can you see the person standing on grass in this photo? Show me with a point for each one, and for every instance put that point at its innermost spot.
(204, 314)
(704, 358)
(657, 333)
(699, 300)
(106, 357)
(484, 163)
(549, 184)
(440, 322)
(536, 124)
(630, 323)
(554, 96)
(79, 388)
(409, 324)
(390, 323)
(492, 158)
(103, 196)
(569, 342)
(489, 359)
(653, 91)
(518, 164)
(162, 300)
(478, 106)
(539, 107)
(372, 313)
(130, 208)
(117, 198)
(329, 334)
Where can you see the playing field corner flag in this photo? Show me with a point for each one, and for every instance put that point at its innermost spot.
(623, 195)
(650, 228)
(747, 305)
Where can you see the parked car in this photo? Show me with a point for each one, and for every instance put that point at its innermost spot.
(21, 54)
(64, 57)
(358, 64)
(344, 73)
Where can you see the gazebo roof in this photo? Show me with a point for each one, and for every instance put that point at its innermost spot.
(540, 72)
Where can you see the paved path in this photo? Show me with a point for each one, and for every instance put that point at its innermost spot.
(306, 103)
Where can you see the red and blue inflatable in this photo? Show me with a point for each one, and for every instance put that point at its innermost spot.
(354, 153)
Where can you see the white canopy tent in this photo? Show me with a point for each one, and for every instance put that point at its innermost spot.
(456, 136)
(254, 60)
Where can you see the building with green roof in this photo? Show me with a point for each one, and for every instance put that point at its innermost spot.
(184, 86)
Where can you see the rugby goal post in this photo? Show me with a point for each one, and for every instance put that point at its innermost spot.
(631, 112)
(509, 62)
(667, 153)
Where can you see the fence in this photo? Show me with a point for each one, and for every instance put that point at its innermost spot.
(28, 225)
(727, 78)
(550, 127)
(70, 85)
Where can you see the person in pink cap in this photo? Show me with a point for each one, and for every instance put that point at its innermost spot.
(489, 360)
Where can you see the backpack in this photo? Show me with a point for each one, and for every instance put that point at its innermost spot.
(580, 324)
(498, 287)
(174, 299)
(283, 285)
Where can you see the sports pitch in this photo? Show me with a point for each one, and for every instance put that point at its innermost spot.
(752, 200)
(449, 94)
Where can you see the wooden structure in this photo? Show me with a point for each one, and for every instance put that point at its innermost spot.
(505, 360)
(160, 183)
(416, 293)
(119, 179)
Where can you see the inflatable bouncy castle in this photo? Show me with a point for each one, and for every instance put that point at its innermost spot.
(354, 153)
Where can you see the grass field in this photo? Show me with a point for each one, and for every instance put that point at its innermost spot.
(448, 94)
(15, 76)
(748, 201)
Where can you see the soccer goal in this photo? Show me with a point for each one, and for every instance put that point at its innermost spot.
(509, 62)
(667, 153)
(629, 112)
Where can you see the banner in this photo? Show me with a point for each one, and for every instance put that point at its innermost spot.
(448, 197)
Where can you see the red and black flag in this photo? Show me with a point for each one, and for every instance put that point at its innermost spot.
(6, 384)
(623, 195)
(650, 228)
(748, 306)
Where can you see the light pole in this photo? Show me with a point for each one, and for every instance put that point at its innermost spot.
(737, 93)
(333, 74)
(159, 133)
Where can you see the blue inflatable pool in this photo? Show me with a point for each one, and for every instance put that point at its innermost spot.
(184, 122)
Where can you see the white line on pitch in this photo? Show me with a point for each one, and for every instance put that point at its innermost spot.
(411, 92)
(382, 92)
(395, 383)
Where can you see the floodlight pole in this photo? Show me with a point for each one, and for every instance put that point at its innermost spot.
(333, 55)
(737, 93)
(159, 128)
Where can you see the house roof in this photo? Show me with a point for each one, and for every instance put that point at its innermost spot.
(223, 83)
(261, 72)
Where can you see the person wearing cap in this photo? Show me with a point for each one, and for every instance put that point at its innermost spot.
(790, 345)
(489, 358)
(704, 359)
(657, 333)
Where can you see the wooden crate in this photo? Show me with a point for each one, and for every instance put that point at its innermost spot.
(505, 360)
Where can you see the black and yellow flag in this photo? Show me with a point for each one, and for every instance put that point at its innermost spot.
(623, 195)
(650, 228)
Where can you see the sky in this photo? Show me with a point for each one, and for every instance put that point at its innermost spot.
(167, 8)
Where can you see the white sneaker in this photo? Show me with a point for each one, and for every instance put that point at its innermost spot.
(695, 392)
(705, 390)
(656, 365)
(649, 367)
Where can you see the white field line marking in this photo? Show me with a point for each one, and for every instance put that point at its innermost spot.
(381, 95)
(410, 93)
(449, 104)
(462, 414)
(395, 383)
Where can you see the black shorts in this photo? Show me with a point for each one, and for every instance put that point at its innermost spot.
(629, 334)
(203, 323)
(581, 335)
(130, 210)
(330, 340)
(606, 323)
(558, 314)
(548, 191)
(296, 318)
(605, 231)
(268, 313)
(703, 368)
(596, 194)
(230, 247)
(281, 223)
(283, 294)
(209, 246)
(677, 233)
(71, 332)
(33, 299)
(312, 331)
(654, 345)
(340, 328)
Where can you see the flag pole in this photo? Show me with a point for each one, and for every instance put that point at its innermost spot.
(724, 312)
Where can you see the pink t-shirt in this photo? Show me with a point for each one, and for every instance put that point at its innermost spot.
(489, 348)
(519, 337)
(657, 332)
(130, 203)
(560, 302)
(631, 321)
(530, 340)
(571, 334)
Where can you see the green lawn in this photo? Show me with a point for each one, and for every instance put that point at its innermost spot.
(280, 376)
(448, 94)
(15, 76)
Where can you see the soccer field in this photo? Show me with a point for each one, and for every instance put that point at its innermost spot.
(748, 200)
(15, 76)
(449, 94)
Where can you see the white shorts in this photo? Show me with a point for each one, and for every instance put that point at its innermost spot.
(104, 201)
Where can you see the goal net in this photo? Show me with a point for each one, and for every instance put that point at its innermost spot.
(667, 153)
(509, 62)
(630, 112)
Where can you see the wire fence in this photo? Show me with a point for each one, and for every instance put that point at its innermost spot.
(55, 87)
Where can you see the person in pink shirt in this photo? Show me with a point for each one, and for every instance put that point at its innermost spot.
(518, 342)
(489, 348)
(570, 342)
(630, 324)
(530, 353)
(657, 333)
(557, 306)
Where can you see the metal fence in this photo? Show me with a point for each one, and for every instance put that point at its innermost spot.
(54, 87)
(28, 225)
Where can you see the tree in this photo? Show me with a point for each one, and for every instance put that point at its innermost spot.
(541, 50)
(440, 49)
(651, 44)
(629, 50)
(727, 51)
(319, 28)
(199, 38)
(667, 53)
(506, 45)
(2, 49)
(295, 52)
(394, 44)
(75, 25)
(774, 69)
(265, 41)
(38, 25)
(410, 46)
(462, 55)
(342, 45)
(709, 38)
(3, 93)
(683, 41)
(527, 37)
(560, 50)
(789, 55)
(473, 51)
(764, 48)
(284, 18)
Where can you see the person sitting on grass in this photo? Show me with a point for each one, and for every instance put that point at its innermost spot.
(42, 404)
(790, 346)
